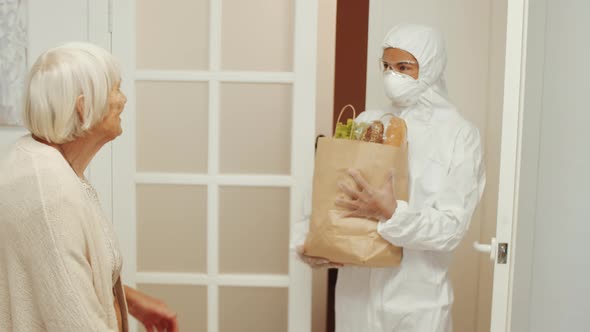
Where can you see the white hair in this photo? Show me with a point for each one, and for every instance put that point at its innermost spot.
(57, 79)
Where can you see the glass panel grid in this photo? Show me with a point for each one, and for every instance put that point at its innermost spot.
(221, 292)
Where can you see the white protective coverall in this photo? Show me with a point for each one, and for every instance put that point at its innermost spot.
(446, 183)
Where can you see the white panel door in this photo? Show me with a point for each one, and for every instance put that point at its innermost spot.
(543, 206)
(192, 60)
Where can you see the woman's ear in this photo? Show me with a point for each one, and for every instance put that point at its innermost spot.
(80, 108)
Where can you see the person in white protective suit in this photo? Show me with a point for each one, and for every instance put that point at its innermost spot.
(446, 183)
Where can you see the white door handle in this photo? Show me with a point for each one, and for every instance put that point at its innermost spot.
(487, 248)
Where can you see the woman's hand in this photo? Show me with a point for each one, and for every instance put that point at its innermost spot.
(365, 201)
(151, 312)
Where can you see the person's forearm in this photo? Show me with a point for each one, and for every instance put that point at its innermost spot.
(131, 296)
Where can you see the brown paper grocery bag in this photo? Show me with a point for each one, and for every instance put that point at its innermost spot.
(352, 241)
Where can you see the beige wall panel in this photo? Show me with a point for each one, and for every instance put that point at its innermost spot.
(173, 34)
(171, 228)
(172, 127)
(257, 35)
(254, 230)
(253, 309)
(255, 135)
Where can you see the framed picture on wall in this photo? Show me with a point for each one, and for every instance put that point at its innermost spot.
(13, 60)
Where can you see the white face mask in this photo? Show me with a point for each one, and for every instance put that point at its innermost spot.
(402, 89)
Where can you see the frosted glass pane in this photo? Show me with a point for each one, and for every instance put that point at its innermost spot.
(243, 309)
(171, 228)
(172, 127)
(255, 134)
(173, 34)
(254, 221)
(189, 303)
(257, 35)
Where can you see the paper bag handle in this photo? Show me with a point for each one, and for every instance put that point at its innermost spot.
(342, 111)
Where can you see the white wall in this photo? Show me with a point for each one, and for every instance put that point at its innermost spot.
(51, 23)
(44, 31)
(559, 289)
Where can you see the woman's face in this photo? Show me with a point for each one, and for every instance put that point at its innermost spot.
(111, 125)
(400, 61)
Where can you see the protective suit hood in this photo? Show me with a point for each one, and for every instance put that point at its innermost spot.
(427, 45)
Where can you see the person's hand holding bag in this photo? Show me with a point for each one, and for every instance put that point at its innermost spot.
(366, 201)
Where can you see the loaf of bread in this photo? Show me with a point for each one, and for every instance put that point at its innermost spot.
(378, 131)
(374, 133)
(396, 133)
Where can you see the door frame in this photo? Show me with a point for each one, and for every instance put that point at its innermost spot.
(122, 27)
(521, 124)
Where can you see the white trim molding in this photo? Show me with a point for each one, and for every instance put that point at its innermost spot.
(223, 180)
(206, 76)
(302, 152)
(203, 279)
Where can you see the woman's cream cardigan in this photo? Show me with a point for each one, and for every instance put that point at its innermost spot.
(59, 258)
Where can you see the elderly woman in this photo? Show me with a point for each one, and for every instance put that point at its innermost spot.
(446, 183)
(60, 264)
